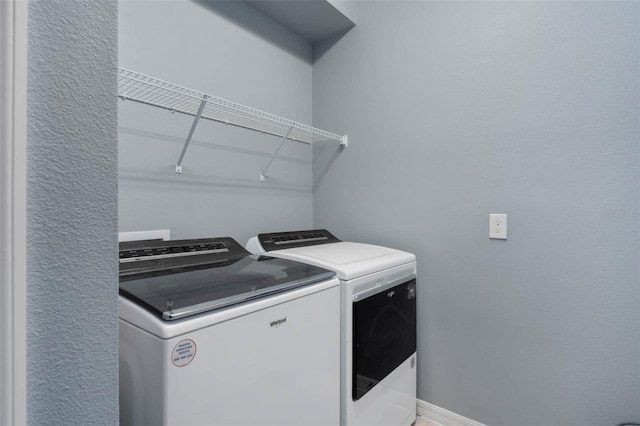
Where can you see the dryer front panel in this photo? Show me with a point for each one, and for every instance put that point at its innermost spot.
(384, 335)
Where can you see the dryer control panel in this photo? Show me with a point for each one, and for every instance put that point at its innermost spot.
(285, 240)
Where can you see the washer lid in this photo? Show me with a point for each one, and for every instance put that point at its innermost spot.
(177, 287)
(349, 260)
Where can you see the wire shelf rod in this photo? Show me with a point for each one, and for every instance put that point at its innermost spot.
(178, 103)
(143, 84)
(262, 131)
(180, 108)
(151, 91)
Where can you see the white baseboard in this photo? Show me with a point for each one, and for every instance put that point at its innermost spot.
(442, 416)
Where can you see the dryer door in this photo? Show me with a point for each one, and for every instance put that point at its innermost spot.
(384, 335)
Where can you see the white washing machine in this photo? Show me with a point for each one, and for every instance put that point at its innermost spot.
(378, 321)
(211, 335)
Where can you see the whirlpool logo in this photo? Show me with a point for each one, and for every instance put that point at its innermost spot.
(278, 322)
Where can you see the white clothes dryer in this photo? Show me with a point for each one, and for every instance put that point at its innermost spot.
(212, 335)
(378, 321)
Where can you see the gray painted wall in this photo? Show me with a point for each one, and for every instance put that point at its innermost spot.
(230, 50)
(72, 279)
(455, 110)
(349, 8)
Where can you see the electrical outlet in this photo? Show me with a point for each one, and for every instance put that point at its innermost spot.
(498, 226)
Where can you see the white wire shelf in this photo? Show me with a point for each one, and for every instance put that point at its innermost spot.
(148, 90)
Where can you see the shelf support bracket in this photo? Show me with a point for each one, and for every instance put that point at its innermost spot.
(263, 175)
(193, 129)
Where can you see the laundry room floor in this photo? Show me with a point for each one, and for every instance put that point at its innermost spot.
(421, 421)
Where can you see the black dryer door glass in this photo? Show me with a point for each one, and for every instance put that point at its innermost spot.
(384, 335)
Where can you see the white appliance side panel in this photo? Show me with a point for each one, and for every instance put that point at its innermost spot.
(141, 380)
(250, 371)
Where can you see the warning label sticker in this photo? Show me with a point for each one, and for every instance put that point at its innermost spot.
(183, 353)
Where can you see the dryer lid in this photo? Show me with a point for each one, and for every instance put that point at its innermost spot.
(349, 260)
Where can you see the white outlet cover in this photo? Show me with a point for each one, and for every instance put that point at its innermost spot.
(498, 226)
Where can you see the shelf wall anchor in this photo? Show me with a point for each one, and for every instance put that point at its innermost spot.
(344, 141)
(263, 175)
(193, 128)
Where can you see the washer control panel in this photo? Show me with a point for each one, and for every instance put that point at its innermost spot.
(133, 254)
(143, 257)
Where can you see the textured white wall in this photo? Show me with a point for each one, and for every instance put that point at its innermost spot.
(72, 278)
(455, 110)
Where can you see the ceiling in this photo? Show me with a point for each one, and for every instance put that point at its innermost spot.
(314, 20)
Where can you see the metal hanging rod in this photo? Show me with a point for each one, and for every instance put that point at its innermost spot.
(148, 90)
